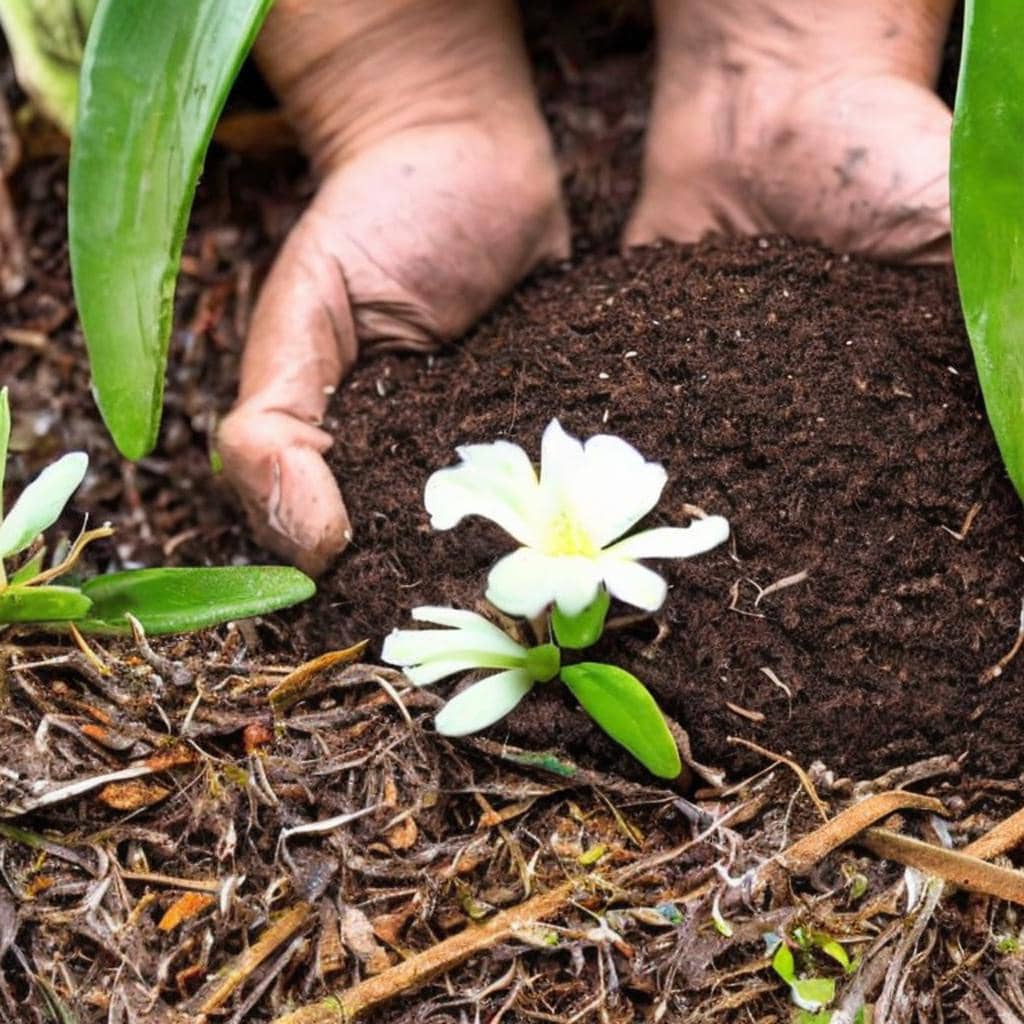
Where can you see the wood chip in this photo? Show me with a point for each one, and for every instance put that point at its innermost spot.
(358, 936)
(493, 817)
(403, 836)
(185, 906)
(130, 796)
(330, 953)
(293, 687)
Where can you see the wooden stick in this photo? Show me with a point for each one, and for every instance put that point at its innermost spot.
(275, 934)
(967, 872)
(1008, 834)
(421, 967)
(808, 851)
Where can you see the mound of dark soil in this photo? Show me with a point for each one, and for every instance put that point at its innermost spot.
(827, 406)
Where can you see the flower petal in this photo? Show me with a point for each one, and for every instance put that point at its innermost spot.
(519, 583)
(434, 669)
(634, 583)
(496, 481)
(674, 541)
(415, 646)
(616, 488)
(526, 582)
(468, 622)
(577, 580)
(483, 703)
(445, 615)
(561, 458)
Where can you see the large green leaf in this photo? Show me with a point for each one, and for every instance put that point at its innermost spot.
(624, 708)
(987, 206)
(42, 604)
(39, 505)
(154, 78)
(181, 600)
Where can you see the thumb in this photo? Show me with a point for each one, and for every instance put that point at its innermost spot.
(301, 342)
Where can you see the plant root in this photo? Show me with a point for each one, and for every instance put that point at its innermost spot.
(964, 871)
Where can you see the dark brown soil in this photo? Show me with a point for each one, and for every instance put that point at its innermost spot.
(826, 406)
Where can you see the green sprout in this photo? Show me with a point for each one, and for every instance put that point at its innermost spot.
(570, 520)
(161, 600)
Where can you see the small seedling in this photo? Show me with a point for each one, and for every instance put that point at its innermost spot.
(570, 520)
(162, 600)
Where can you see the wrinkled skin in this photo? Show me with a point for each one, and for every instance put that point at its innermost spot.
(439, 189)
(813, 118)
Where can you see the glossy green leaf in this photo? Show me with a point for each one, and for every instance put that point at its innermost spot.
(575, 632)
(155, 76)
(181, 600)
(832, 949)
(39, 505)
(987, 208)
(624, 708)
(5, 439)
(813, 994)
(42, 604)
(46, 38)
(783, 963)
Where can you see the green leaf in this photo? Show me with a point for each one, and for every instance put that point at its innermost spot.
(987, 209)
(783, 964)
(5, 439)
(46, 39)
(154, 79)
(624, 708)
(41, 503)
(575, 632)
(181, 600)
(813, 994)
(824, 1017)
(42, 604)
(831, 948)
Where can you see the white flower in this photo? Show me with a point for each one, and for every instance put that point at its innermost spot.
(587, 496)
(428, 655)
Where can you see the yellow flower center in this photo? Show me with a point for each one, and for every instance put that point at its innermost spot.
(566, 536)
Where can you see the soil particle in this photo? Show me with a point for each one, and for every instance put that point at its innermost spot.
(826, 406)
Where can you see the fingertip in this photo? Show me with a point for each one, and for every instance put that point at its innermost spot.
(290, 495)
